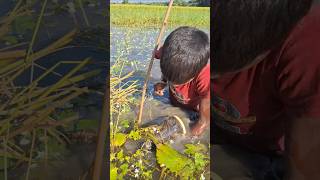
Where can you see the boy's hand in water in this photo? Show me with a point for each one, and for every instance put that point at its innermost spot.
(158, 53)
(204, 121)
(198, 128)
(159, 88)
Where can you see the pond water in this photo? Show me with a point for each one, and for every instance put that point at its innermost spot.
(137, 45)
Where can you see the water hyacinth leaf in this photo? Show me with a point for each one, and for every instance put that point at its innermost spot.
(119, 139)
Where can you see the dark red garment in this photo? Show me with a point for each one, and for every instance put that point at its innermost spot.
(190, 94)
(254, 107)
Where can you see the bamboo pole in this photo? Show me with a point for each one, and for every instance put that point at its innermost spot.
(157, 47)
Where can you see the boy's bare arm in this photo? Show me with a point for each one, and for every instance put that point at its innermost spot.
(204, 120)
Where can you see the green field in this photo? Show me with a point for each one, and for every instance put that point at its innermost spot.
(152, 16)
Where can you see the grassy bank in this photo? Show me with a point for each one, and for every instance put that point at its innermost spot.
(152, 16)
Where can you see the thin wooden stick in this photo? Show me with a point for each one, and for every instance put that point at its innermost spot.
(101, 143)
(157, 47)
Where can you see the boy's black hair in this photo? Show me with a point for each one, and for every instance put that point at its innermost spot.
(244, 29)
(185, 52)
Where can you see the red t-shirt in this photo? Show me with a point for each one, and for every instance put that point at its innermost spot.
(254, 107)
(190, 94)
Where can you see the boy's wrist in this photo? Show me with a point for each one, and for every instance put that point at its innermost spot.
(203, 122)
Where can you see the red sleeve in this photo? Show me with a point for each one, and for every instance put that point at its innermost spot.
(203, 82)
(299, 71)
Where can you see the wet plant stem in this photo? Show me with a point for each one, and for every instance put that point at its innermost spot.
(34, 38)
(6, 154)
(84, 13)
(31, 151)
(45, 150)
(162, 173)
(117, 121)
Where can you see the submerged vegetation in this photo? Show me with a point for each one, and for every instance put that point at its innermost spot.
(130, 15)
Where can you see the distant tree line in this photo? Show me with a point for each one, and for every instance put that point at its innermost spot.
(200, 2)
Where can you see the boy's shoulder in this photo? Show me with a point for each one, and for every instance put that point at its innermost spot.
(202, 82)
(204, 74)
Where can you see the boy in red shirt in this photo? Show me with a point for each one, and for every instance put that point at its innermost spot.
(184, 65)
(266, 89)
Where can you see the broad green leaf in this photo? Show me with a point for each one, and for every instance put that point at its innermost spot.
(173, 160)
(119, 139)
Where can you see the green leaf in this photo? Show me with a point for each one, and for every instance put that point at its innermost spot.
(120, 156)
(135, 135)
(174, 161)
(124, 170)
(113, 172)
(112, 156)
(119, 139)
(125, 123)
(191, 149)
(200, 161)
